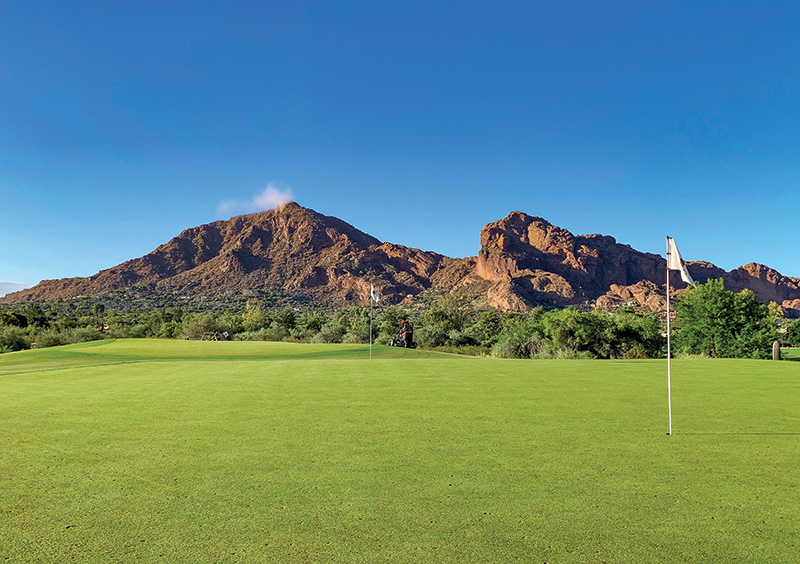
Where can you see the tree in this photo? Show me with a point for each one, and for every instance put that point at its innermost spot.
(775, 310)
(254, 316)
(446, 316)
(99, 309)
(13, 319)
(36, 316)
(487, 328)
(715, 322)
(793, 333)
(286, 319)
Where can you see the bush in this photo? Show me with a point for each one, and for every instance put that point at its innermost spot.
(431, 336)
(331, 332)
(80, 335)
(511, 346)
(276, 332)
(48, 338)
(13, 339)
(260, 335)
(636, 352)
(198, 325)
(139, 331)
(522, 338)
(550, 352)
(464, 350)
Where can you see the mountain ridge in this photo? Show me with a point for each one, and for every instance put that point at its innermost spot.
(523, 261)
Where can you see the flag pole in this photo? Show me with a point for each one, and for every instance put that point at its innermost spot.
(669, 350)
(370, 323)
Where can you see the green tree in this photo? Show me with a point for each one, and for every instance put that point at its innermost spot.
(36, 316)
(487, 328)
(446, 316)
(793, 333)
(775, 310)
(254, 316)
(286, 319)
(13, 319)
(358, 324)
(712, 321)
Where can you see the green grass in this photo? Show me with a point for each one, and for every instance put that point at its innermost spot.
(790, 353)
(177, 451)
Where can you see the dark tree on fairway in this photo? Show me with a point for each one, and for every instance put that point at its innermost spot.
(715, 322)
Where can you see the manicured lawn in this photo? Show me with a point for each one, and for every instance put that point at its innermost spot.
(177, 451)
(790, 354)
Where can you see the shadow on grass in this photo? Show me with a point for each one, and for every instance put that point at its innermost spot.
(742, 434)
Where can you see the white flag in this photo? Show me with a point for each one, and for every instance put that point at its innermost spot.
(374, 293)
(675, 262)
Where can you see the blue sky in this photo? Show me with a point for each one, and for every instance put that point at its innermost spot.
(121, 124)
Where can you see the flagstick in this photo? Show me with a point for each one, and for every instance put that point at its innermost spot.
(669, 350)
(370, 324)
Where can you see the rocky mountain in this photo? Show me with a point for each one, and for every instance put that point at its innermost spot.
(524, 261)
(528, 260)
(291, 248)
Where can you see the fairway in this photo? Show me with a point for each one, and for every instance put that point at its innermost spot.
(189, 451)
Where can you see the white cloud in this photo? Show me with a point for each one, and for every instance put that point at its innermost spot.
(8, 287)
(272, 197)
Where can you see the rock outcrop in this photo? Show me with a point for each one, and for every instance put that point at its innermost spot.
(532, 262)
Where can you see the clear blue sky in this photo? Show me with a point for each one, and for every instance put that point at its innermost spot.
(123, 123)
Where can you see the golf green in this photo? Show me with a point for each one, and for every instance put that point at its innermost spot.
(186, 451)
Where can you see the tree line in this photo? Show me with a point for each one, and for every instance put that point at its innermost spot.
(709, 321)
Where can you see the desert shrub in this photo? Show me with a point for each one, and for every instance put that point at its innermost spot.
(139, 331)
(312, 322)
(521, 339)
(331, 332)
(562, 353)
(456, 338)
(13, 338)
(430, 336)
(197, 325)
(300, 334)
(469, 350)
(80, 335)
(119, 332)
(259, 335)
(169, 330)
(276, 332)
(48, 338)
(635, 352)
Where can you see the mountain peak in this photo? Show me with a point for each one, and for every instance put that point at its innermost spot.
(524, 261)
